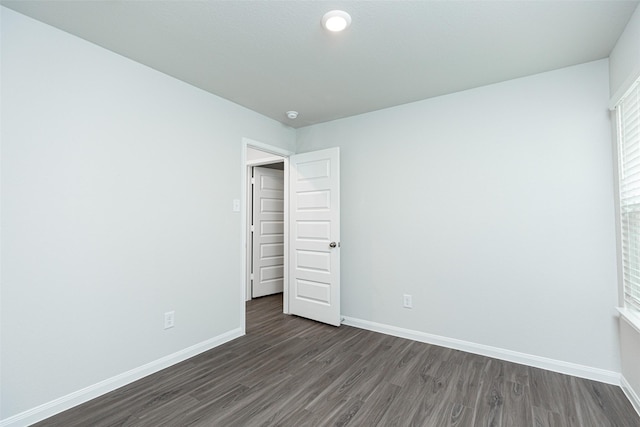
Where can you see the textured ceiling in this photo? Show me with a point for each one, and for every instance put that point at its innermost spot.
(273, 56)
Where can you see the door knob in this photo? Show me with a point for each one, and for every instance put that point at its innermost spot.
(333, 244)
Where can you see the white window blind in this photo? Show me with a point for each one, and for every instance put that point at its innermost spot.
(628, 113)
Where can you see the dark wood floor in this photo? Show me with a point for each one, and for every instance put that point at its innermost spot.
(289, 371)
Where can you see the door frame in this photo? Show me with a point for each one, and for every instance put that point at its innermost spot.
(280, 155)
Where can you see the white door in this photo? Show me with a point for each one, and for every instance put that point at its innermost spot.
(268, 231)
(314, 269)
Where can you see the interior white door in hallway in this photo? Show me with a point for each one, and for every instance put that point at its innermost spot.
(314, 235)
(268, 231)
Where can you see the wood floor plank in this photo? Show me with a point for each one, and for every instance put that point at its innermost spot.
(545, 418)
(469, 379)
(344, 416)
(517, 405)
(489, 406)
(359, 380)
(453, 414)
(289, 371)
(553, 391)
(373, 409)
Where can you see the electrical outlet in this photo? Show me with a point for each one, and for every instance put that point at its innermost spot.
(407, 301)
(169, 319)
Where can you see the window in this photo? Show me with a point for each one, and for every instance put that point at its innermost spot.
(628, 116)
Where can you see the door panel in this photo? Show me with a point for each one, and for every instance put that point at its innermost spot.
(268, 232)
(314, 276)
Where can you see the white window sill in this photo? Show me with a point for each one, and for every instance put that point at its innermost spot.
(631, 317)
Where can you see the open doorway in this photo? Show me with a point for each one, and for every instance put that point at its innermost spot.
(265, 212)
(310, 228)
(265, 221)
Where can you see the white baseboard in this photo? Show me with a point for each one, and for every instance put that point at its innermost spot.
(562, 367)
(76, 398)
(630, 393)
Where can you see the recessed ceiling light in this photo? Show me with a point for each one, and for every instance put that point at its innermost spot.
(336, 20)
(292, 114)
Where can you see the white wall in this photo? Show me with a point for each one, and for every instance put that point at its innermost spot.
(624, 67)
(493, 207)
(624, 60)
(117, 188)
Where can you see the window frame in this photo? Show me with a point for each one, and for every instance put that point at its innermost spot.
(627, 116)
